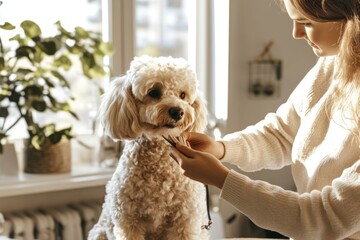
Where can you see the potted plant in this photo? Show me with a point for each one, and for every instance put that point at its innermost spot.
(31, 76)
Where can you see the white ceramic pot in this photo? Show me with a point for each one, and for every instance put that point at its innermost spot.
(9, 164)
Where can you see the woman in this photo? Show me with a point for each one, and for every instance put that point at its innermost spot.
(317, 132)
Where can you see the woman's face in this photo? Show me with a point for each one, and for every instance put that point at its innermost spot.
(323, 37)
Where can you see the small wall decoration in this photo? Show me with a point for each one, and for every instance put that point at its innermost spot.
(265, 74)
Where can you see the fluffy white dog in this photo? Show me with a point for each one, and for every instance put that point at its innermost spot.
(148, 197)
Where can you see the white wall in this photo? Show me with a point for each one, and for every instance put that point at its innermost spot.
(253, 23)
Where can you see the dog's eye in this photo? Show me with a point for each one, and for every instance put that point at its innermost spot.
(182, 95)
(155, 93)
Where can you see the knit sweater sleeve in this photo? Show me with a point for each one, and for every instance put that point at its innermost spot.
(332, 213)
(268, 144)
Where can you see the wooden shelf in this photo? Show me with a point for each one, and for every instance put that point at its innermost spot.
(80, 177)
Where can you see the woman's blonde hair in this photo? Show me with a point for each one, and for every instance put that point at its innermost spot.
(347, 90)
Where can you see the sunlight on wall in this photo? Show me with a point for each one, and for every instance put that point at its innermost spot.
(221, 51)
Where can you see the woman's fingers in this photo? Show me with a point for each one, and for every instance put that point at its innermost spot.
(182, 146)
(175, 158)
(186, 135)
(187, 151)
(197, 165)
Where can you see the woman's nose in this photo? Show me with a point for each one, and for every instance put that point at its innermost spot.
(298, 30)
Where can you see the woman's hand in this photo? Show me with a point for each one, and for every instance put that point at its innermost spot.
(204, 143)
(200, 166)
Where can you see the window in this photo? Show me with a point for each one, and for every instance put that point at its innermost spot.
(153, 27)
(162, 27)
(85, 13)
(191, 29)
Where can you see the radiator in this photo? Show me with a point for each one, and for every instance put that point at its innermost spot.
(68, 222)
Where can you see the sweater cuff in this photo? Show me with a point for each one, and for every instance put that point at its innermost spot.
(231, 151)
(233, 189)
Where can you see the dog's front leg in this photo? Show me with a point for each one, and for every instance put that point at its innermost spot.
(103, 229)
(129, 231)
(187, 233)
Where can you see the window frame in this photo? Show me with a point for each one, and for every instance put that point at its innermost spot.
(201, 53)
(122, 35)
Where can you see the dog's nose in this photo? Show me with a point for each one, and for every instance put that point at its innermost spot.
(176, 113)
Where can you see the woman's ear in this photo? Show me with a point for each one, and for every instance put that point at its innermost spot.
(118, 112)
(200, 122)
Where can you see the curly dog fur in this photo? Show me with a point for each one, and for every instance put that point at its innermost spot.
(148, 197)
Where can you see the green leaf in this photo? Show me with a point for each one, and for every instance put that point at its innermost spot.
(61, 79)
(2, 62)
(24, 71)
(4, 112)
(2, 135)
(32, 128)
(107, 48)
(50, 47)
(25, 51)
(62, 30)
(15, 96)
(55, 137)
(88, 59)
(38, 55)
(64, 62)
(48, 82)
(67, 131)
(74, 115)
(3, 96)
(49, 129)
(36, 39)
(96, 72)
(82, 33)
(39, 105)
(33, 90)
(75, 49)
(88, 62)
(19, 39)
(4, 93)
(7, 26)
(53, 101)
(65, 106)
(31, 29)
(36, 142)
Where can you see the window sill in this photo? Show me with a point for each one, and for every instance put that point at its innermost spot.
(80, 177)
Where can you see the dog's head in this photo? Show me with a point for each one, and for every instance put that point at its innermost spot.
(157, 96)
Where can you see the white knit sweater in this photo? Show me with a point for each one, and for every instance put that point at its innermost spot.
(324, 156)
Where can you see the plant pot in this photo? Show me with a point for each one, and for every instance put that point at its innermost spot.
(8, 160)
(52, 158)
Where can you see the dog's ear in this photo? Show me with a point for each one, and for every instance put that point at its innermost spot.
(118, 112)
(200, 122)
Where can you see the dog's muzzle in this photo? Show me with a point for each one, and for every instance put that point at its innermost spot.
(176, 113)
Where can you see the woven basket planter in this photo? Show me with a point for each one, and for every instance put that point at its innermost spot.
(54, 158)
